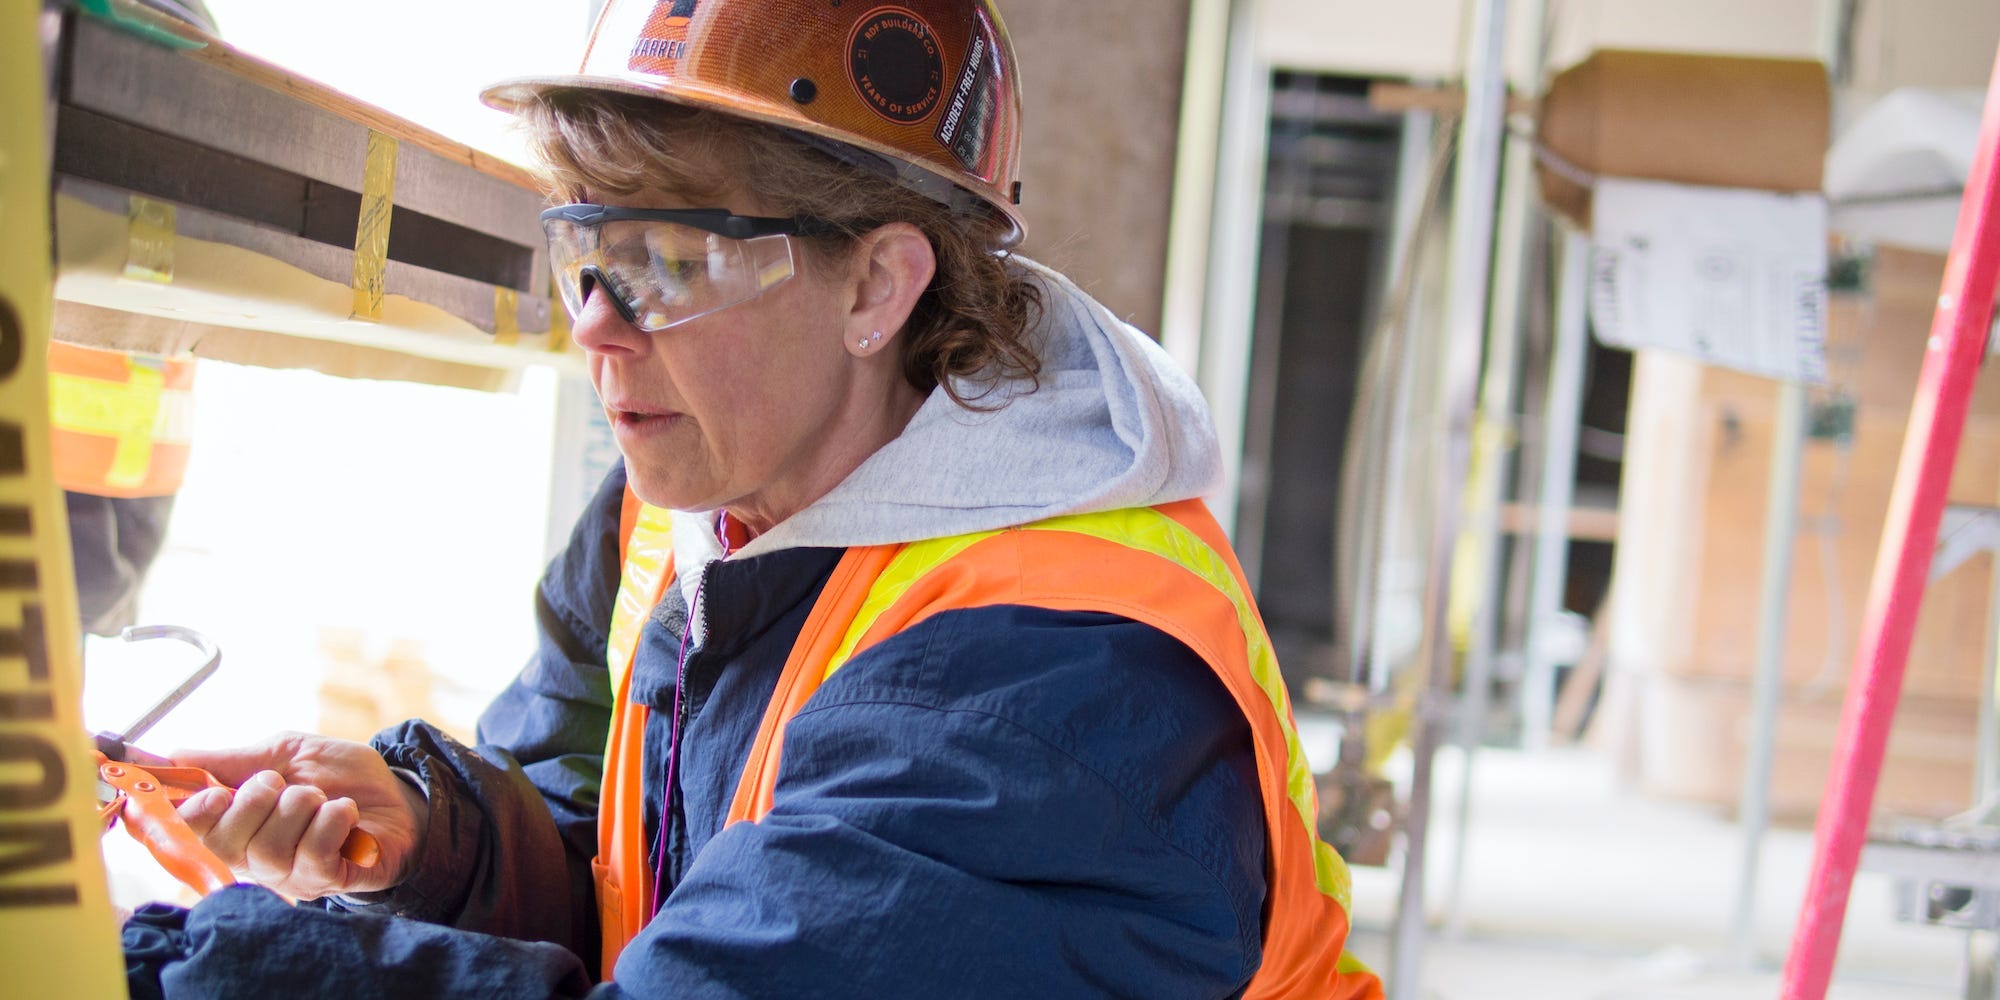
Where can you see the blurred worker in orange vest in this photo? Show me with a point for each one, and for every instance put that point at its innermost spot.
(121, 427)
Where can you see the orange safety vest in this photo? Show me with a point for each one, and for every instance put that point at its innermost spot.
(120, 423)
(1169, 567)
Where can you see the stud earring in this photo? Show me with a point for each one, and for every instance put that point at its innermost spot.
(869, 341)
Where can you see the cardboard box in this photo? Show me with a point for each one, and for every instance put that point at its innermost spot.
(1722, 121)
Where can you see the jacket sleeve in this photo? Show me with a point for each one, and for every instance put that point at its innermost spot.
(512, 827)
(997, 802)
(513, 820)
(247, 941)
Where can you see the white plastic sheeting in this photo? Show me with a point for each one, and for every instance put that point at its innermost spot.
(1896, 174)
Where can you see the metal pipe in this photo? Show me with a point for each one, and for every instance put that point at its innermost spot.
(1489, 449)
(1473, 206)
(1982, 965)
(1494, 430)
(1781, 515)
(1230, 302)
(1191, 225)
(1781, 523)
(1492, 447)
(1986, 762)
(1381, 499)
(1562, 416)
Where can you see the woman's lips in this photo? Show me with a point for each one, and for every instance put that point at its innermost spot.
(628, 418)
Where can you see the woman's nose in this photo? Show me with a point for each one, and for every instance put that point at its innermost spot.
(601, 329)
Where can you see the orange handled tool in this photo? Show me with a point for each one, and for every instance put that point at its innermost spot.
(139, 796)
(143, 789)
(146, 797)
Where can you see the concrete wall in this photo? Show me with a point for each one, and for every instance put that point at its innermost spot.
(1101, 84)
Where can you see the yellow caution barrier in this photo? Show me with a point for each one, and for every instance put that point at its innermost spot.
(58, 937)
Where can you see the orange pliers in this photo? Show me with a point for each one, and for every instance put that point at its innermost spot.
(144, 789)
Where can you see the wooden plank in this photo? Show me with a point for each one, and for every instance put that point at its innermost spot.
(1389, 96)
(1586, 524)
(136, 81)
(445, 188)
(94, 326)
(221, 54)
(220, 98)
(92, 147)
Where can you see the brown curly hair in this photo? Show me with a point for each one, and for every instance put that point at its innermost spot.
(971, 327)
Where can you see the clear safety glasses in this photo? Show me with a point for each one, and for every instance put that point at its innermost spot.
(665, 266)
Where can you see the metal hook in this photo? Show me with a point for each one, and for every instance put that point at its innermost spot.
(207, 646)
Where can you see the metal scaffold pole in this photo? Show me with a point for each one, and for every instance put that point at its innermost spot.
(1474, 204)
(1493, 450)
(1781, 519)
(1781, 522)
(1562, 418)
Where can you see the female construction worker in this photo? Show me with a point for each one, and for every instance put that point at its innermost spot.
(898, 660)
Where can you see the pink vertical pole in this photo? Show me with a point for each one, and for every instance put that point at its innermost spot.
(1902, 566)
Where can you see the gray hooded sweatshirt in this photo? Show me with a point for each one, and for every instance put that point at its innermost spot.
(1114, 423)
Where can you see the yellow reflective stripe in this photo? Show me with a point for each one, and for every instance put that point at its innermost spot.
(1349, 965)
(646, 557)
(125, 411)
(175, 422)
(1149, 531)
(133, 457)
(904, 570)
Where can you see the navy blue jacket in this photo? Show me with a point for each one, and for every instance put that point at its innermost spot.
(1001, 801)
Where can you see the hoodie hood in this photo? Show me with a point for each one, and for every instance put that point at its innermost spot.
(1113, 423)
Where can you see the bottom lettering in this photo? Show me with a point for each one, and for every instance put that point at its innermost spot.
(38, 895)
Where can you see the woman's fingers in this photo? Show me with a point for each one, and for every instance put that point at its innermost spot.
(284, 826)
(204, 808)
(252, 804)
(319, 868)
(283, 836)
(274, 848)
(237, 765)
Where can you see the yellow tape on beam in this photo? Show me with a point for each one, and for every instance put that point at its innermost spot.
(371, 233)
(506, 316)
(558, 323)
(58, 937)
(149, 244)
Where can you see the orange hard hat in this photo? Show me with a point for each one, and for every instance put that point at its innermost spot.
(921, 90)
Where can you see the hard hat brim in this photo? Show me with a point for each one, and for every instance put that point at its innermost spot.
(511, 95)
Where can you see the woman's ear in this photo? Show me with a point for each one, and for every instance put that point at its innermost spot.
(893, 265)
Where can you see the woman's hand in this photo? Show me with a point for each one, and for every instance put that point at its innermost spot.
(297, 797)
